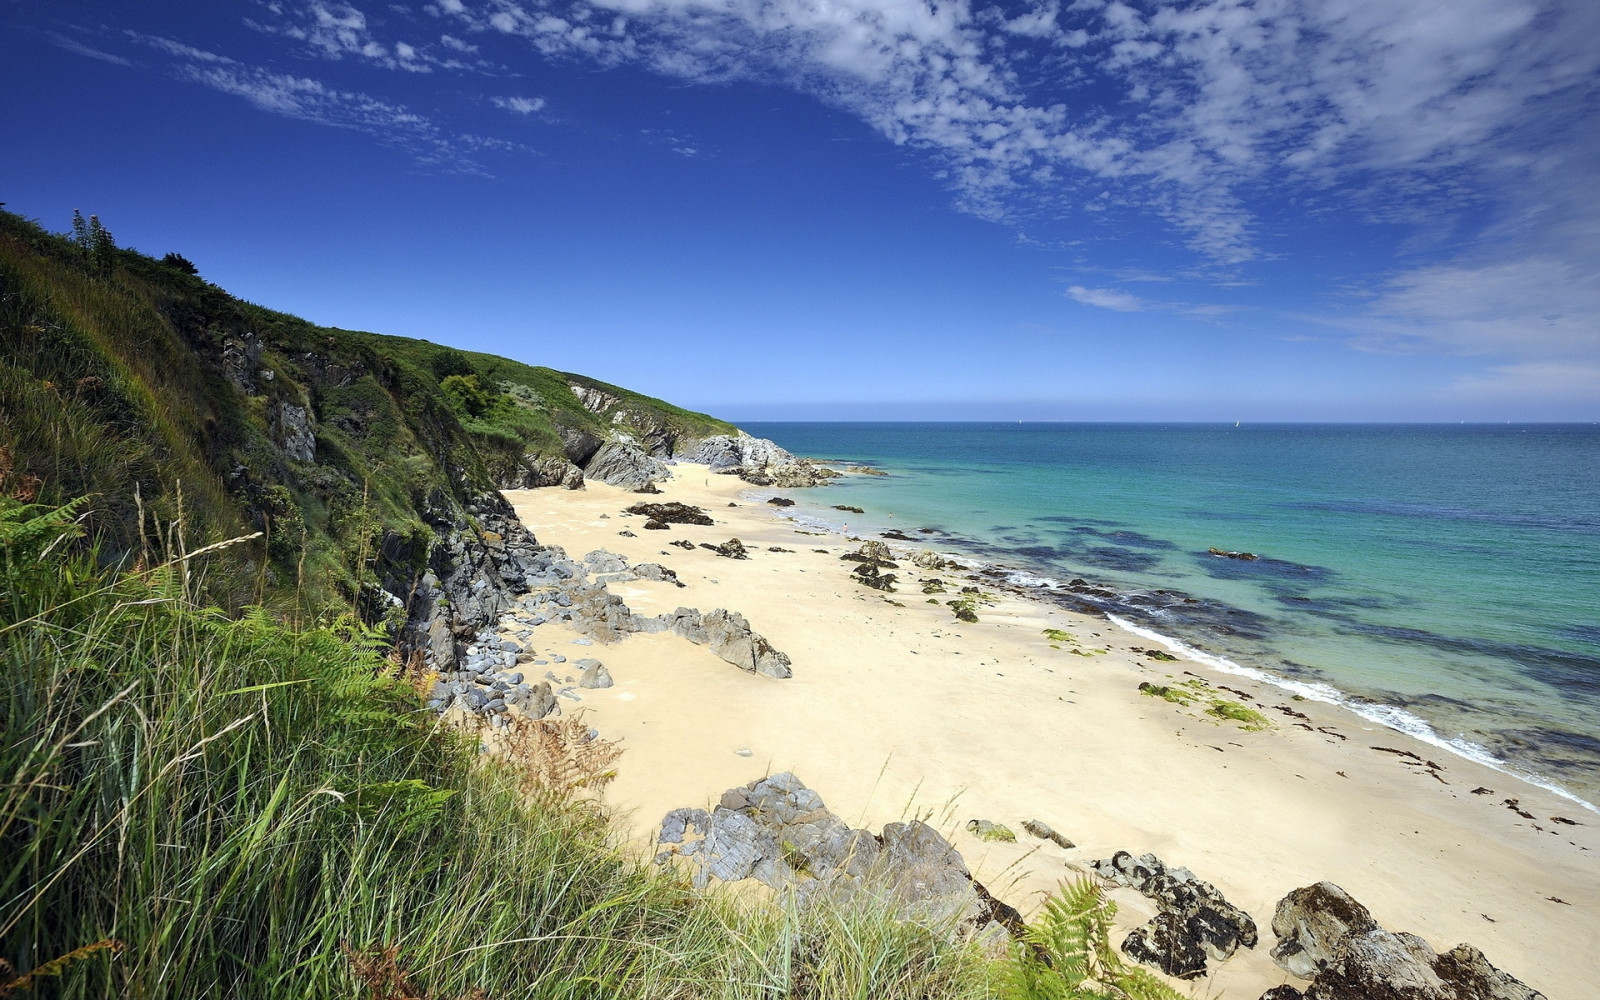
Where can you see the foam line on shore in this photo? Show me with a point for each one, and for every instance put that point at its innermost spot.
(1388, 716)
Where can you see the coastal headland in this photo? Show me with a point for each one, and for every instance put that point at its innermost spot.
(897, 709)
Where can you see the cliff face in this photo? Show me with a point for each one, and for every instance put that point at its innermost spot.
(370, 464)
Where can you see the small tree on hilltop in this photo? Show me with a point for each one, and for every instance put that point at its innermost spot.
(95, 242)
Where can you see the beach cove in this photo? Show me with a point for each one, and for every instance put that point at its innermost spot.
(897, 709)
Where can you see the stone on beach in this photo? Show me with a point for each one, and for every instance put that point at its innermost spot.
(779, 832)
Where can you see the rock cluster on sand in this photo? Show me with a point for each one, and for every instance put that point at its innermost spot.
(756, 461)
(729, 635)
(671, 513)
(777, 831)
(482, 679)
(1194, 921)
(1326, 936)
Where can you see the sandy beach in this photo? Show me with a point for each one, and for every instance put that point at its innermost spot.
(897, 709)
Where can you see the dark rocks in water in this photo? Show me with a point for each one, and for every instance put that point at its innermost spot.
(865, 470)
(1041, 829)
(731, 549)
(781, 502)
(1311, 922)
(846, 507)
(672, 513)
(729, 636)
(898, 535)
(654, 525)
(1329, 938)
(779, 832)
(1194, 921)
(1224, 553)
(682, 543)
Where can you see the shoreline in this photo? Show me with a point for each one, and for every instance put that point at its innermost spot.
(1038, 584)
(897, 709)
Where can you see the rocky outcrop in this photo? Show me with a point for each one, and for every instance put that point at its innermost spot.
(1328, 937)
(479, 559)
(671, 513)
(779, 832)
(755, 460)
(291, 429)
(594, 400)
(1195, 920)
(729, 635)
(625, 464)
(1311, 922)
(535, 472)
(579, 445)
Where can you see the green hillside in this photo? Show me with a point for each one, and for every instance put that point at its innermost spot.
(131, 380)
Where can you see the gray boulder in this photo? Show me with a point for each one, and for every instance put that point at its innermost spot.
(595, 675)
(1311, 923)
(729, 635)
(779, 832)
(625, 464)
(536, 472)
(1322, 930)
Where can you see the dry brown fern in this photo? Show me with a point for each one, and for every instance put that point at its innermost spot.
(561, 756)
(380, 972)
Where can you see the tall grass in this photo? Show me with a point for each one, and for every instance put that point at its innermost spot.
(199, 806)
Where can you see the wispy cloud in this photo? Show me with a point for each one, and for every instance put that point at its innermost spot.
(78, 48)
(309, 99)
(519, 105)
(1107, 298)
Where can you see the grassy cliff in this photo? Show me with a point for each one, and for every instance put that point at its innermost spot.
(131, 380)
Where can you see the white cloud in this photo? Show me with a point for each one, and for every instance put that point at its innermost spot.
(1107, 298)
(311, 100)
(519, 105)
(78, 48)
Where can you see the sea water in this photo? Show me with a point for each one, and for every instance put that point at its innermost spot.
(1439, 579)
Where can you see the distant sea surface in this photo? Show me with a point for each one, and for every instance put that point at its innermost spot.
(1439, 579)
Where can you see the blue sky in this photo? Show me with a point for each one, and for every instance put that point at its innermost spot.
(862, 209)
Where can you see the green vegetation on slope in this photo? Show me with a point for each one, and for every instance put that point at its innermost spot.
(199, 806)
(123, 376)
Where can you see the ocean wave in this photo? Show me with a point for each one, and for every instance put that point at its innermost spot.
(1388, 716)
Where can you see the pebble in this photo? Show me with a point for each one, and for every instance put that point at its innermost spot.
(583, 642)
(745, 752)
(557, 657)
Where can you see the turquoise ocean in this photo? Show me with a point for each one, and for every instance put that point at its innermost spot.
(1443, 580)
